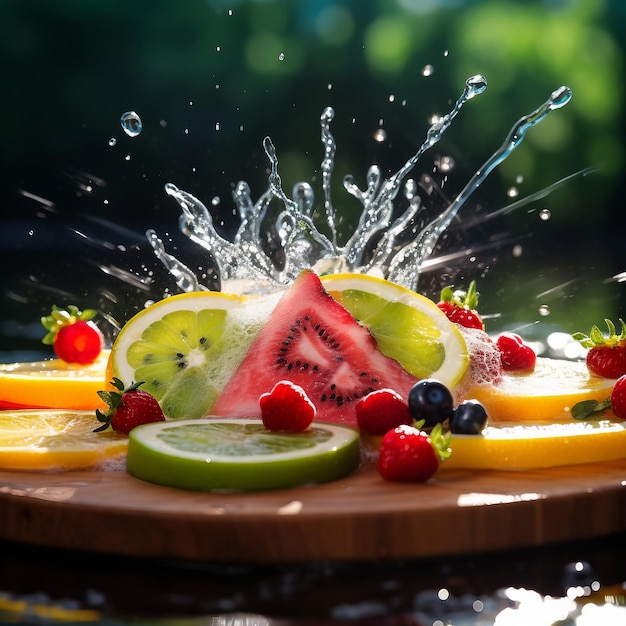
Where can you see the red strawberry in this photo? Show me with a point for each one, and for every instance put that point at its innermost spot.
(460, 306)
(408, 454)
(128, 407)
(618, 397)
(382, 410)
(72, 334)
(517, 356)
(286, 408)
(607, 355)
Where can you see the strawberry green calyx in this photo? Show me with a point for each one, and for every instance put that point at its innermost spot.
(439, 439)
(112, 399)
(59, 318)
(596, 338)
(461, 298)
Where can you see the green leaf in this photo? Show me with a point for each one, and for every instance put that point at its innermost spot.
(587, 408)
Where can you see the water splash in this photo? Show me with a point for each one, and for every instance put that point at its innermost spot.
(385, 241)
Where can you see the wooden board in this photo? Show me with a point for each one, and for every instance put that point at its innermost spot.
(360, 517)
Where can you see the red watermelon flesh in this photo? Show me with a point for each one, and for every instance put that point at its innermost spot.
(313, 341)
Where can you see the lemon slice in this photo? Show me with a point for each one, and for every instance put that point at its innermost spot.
(55, 440)
(239, 455)
(545, 395)
(521, 447)
(185, 348)
(52, 384)
(407, 326)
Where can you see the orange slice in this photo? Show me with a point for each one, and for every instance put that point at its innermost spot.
(521, 446)
(545, 395)
(52, 384)
(55, 439)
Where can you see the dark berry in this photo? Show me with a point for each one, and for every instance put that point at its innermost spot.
(431, 401)
(469, 418)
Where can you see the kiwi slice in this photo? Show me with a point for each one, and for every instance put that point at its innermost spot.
(185, 348)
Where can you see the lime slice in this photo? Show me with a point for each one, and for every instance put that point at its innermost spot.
(239, 455)
(52, 384)
(55, 440)
(407, 326)
(185, 348)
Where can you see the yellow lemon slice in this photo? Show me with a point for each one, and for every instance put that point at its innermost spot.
(407, 326)
(53, 384)
(55, 439)
(521, 446)
(545, 395)
(185, 348)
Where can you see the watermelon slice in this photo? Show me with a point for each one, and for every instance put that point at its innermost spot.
(313, 341)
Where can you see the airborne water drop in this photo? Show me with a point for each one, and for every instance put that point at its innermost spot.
(131, 123)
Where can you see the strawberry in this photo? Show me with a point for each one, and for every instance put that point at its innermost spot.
(128, 407)
(517, 356)
(618, 397)
(380, 411)
(72, 334)
(460, 306)
(408, 454)
(286, 408)
(607, 355)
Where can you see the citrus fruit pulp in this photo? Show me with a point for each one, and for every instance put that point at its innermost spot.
(545, 395)
(311, 340)
(209, 454)
(52, 384)
(185, 348)
(407, 326)
(516, 446)
(55, 439)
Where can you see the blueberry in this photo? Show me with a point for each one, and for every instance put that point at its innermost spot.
(431, 401)
(469, 418)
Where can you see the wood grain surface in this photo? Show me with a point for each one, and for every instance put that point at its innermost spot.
(358, 518)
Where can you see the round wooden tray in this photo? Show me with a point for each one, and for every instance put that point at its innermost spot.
(358, 518)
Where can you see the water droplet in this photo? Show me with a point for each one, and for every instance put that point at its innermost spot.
(380, 135)
(428, 70)
(512, 192)
(517, 250)
(112, 141)
(519, 179)
(218, 48)
(281, 56)
(544, 310)
(329, 86)
(545, 215)
(131, 123)
(392, 98)
(217, 125)
(446, 53)
(475, 85)
(127, 157)
(215, 200)
(445, 164)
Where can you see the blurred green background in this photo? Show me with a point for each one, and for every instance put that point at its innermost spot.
(211, 78)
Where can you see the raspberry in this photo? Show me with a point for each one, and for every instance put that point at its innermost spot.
(286, 408)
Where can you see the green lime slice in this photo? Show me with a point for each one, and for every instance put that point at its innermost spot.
(239, 455)
(402, 331)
